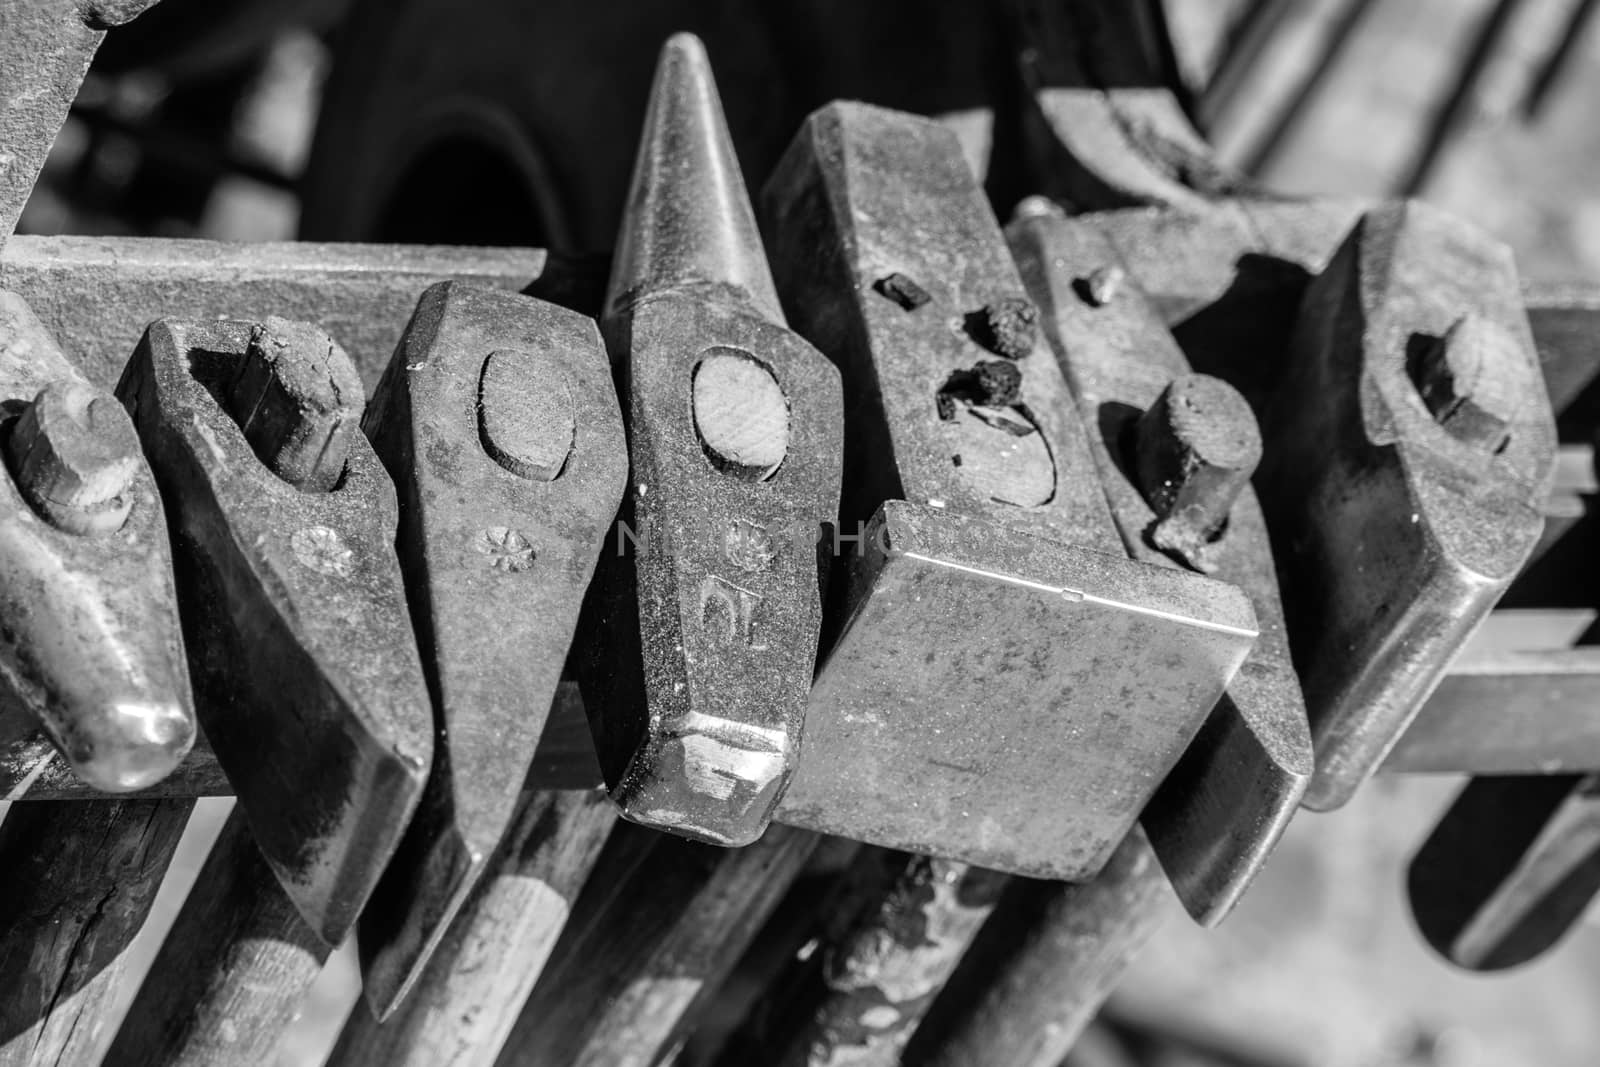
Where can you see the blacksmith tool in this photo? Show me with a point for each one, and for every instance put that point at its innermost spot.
(498, 422)
(91, 651)
(283, 521)
(1408, 452)
(1175, 448)
(705, 646)
(893, 263)
(1057, 684)
(1175, 452)
(90, 645)
(306, 672)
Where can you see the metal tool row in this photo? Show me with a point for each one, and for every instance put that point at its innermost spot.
(1121, 535)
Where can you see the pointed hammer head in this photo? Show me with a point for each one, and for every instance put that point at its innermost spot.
(705, 638)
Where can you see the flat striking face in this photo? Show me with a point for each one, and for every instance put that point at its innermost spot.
(1092, 664)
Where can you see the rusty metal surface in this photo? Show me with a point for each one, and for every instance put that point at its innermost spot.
(92, 647)
(294, 613)
(80, 879)
(1509, 869)
(1041, 969)
(705, 640)
(470, 992)
(1216, 817)
(978, 754)
(1397, 532)
(232, 972)
(875, 979)
(499, 425)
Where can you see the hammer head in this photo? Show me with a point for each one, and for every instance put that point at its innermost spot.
(499, 424)
(92, 649)
(998, 574)
(1401, 511)
(305, 667)
(1049, 690)
(706, 637)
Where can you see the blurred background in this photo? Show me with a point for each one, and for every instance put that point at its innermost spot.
(497, 122)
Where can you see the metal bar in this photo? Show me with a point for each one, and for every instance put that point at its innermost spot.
(97, 294)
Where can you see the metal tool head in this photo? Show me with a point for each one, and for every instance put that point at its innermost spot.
(688, 224)
(1040, 713)
(91, 648)
(1408, 452)
(1175, 453)
(498, 421)
(1510, 868)
(705, 640)
(1054, 686)
(306, 670)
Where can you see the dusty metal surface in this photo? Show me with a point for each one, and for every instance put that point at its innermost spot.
(232, 972)
(276, 582)
(92, 647)
(1481, 719)
(1216, 817)
(471, 990)
(100, 293)
(1509, 869)
(498, 422)
(1396, 533)
(705, 637)
(978, 755)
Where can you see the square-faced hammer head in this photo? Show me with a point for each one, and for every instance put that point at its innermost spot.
(1053, 685)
